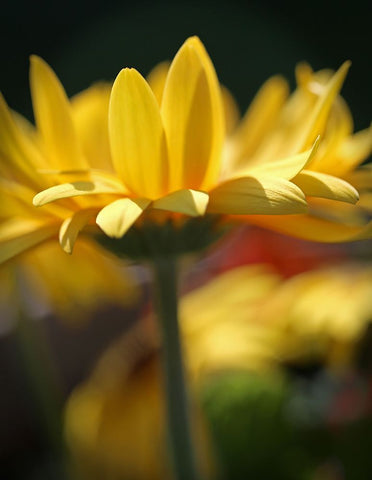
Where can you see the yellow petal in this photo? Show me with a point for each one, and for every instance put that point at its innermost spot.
(117, 217)
(353, 151)
(156, 79)
(90, 116)
(318, 118)
(71, 228)
(15, 199)
(189, 202)
(318, 184)
(74, 189)
(257, 196)
(18, 235)
(312, 228)
(137, 136)
(53, 118)
(260, 117)
(231, 109)
(304, 73)
(193, 118)
(18, 156)
(286, 168)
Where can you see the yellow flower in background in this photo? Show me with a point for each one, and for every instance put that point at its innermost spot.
(27, 235)
(45, 280)
(277, 125)
(261, 319)
(115, 421)
(117, 415)
(323, 314)
(167, 139)
(249, 319)
(218, 322)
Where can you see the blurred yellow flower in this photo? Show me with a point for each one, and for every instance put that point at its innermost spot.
(115, 422)
(45, 280)
(322, 314)
(167, 139)
(63, 284)
(278, 125)
(248, 318)
(261, 319)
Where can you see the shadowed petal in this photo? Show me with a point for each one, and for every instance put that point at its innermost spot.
(259, 196)
(71, 228)
(189, 202)
(318, 184)
(193, 117)
(117, 217)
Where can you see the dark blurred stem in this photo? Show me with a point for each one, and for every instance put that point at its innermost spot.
(180, 440)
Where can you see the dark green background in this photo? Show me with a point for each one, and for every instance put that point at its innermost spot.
(248, 41)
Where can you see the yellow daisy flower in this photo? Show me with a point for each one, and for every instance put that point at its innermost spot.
(167, 152)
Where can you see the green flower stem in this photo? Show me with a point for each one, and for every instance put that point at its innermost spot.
(183, 454)
(42, 378)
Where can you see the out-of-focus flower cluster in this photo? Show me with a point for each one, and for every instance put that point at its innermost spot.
(273, 358)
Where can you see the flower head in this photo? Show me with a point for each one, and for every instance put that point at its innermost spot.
(167, 138)
(168, 145)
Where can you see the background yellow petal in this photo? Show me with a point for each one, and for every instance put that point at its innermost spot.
(71, 228)
(318, 117)
(257, 196)
(53, 118)
(90, 116)
(231, 109)
(137, 136)
(18, 156)
(117, 217)
(189, 202)
(156, 79)
(18, 235)
(193, 118)
(318, 184)
(352, 152)
(259, 118)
